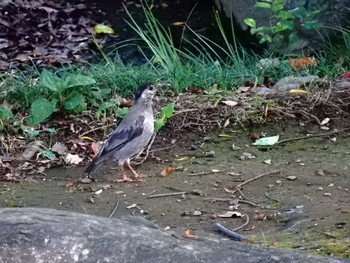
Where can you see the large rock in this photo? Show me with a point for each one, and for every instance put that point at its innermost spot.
(335, 13)
(44, 235)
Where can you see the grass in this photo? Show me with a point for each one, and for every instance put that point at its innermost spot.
(205, 64)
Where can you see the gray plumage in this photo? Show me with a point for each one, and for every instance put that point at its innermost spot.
(132, 134)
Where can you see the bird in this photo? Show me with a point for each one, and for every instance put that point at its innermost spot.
(132, 135)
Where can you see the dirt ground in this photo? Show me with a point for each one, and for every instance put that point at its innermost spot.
(301, 201)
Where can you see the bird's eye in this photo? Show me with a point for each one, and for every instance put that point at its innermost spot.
(151, 88)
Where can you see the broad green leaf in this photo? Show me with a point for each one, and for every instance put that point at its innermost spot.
(158, 124)
(280, 28)
(30, 131)
(250, 22)
(299, 12)
(284, 15)
(277, 7)
(100, 93)
(311, 24)
(121, 112)
(40, 109)
(313, 14)
(73, 101)
(168, 110)
(5, 113)
(79, 80)
(263, 5)
(50, 81)
(49, 154)
(267, 141)
(101, 28)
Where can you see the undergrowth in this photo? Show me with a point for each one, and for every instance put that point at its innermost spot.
(31, 96)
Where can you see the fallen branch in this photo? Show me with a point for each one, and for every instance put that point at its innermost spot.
(313, 136)
(246, 223)
(230, 233)
(239, 186)
(165, 195)
(115, 209)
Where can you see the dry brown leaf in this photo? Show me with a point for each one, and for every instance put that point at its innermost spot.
(302, 62)
(188, 233)
(167, 171)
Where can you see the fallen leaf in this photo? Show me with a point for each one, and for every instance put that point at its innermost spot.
(101, 28)
(96, 147)
(267, 141)
(71, 184)
(188, 233)
(302, 62)
(298, 91)
(167, 171)
(230, 214)
(72, 159)
(229, 191)
(183, 158)
(325, 121)
(230, 103)
(59, 148)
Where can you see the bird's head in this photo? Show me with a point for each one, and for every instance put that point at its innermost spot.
(147, 91)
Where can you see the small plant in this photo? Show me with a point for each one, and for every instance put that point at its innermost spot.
(60, 91)
(166, 113)
(283, 22)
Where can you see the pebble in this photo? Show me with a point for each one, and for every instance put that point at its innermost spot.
(196, 213)
(246, 156)
(279, 182)
(291, 178)
(210, 154)
(86, 180)
(327, 194)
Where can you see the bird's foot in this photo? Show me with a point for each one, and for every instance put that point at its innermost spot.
(137, 176)
(124, 180)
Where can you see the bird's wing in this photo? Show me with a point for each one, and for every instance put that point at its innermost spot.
(120, 137)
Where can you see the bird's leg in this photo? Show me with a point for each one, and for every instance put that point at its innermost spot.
(125, 177)
(136, 175)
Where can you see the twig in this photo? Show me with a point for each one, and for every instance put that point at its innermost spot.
(167, 194)
(230, 233)
(239, 186)
(246, 223)
(271, 198)
(96, 129)
(229, 200)
(115, 209)
(312, 136)
(206, 173)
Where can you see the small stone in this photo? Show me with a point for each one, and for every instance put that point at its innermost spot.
(167, 228)
(246, 156)
(279, 182)
(196, 213)
(210, 154)
(320, 188)
(327, 194)
(268, 161)
(85, 180)
(291, 178)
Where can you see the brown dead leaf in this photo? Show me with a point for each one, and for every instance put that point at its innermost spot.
(188, 233)
(71, 184)
(167, 171)
(96, 147)
(302, 62)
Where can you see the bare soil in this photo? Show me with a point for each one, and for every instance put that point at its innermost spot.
(304, 205)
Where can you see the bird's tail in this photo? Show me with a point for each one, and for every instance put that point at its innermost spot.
(92, 166)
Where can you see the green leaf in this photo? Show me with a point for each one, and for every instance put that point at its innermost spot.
(101, 28)
(313, 14)
(158, 124)
(30, 131)
(250, 22)
(5, 113)
(79, 80)
(263, 5)
(168, 110)
(311, 24)
(100, 93)
(41, 109)
(284, 15)
(298, 12)
(276, 8)
(73, 101)
(121, 112)
(267, 141)
(280, 28)
(50, 81)
(49, 154)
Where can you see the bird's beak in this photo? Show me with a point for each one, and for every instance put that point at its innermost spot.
(161, 85)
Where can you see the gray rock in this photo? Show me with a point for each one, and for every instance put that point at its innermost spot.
(34, 235)
(288, 83)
